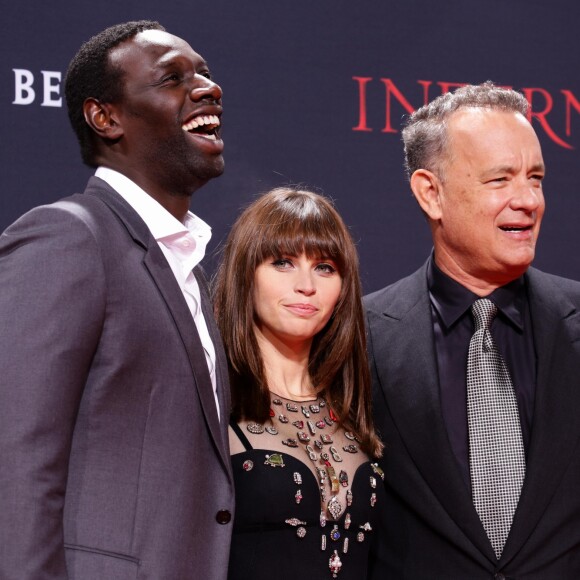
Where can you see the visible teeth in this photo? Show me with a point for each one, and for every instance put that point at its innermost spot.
(200, 121)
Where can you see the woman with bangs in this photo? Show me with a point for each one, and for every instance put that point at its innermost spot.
(288, 304)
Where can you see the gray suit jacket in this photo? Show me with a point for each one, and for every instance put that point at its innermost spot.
(113, 463)
(431, 530)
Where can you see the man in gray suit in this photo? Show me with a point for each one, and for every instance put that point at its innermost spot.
(476, 170)
(114, 403)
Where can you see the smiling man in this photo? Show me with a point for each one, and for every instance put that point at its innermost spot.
(114, 402)
(475, 359)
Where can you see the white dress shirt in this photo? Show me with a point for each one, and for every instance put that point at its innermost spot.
(183, 245)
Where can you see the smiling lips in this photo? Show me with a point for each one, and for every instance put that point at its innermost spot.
(204, 126)
(517, 229)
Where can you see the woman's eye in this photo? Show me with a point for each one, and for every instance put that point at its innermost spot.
(326, 268)
(282, 263)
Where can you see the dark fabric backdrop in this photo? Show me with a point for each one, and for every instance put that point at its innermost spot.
(315, 91)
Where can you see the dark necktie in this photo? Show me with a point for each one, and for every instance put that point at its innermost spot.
(496, 451)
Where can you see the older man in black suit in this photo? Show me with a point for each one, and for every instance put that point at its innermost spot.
(475, 359)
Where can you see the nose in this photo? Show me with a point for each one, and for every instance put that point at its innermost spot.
(529, 197)
(205, 89)
(305, 283)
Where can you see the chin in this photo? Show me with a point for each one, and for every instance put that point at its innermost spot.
(213, 169)
(198, 177)
(513, 270)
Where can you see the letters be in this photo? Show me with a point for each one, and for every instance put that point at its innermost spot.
(24, 93)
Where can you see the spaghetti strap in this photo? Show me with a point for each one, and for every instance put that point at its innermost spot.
(240, 435)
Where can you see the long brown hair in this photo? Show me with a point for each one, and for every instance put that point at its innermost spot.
(287, 221)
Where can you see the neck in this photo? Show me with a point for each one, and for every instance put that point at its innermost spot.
(480, 283)
(176, 205)
(175, 198)
(286, 368)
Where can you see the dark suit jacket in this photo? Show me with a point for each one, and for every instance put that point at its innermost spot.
(431, 530)
(113, 463)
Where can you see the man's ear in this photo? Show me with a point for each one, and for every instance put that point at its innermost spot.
(426, 188)
(102, 119)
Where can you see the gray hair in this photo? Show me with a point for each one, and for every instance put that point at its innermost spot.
(425, 132)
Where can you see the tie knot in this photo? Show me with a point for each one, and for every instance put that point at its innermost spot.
(484, 312)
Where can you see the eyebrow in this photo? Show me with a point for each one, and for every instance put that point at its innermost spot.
(510, 169)
(538, 167)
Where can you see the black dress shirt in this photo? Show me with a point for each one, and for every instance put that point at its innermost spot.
(453, 325)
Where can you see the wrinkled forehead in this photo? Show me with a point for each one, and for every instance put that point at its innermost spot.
(491, 131)
(472, 122)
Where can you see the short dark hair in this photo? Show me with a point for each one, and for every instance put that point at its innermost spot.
(425, 132)
(90, 74)
(289, 221)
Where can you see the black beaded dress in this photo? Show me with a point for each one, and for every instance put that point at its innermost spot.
(305, 497)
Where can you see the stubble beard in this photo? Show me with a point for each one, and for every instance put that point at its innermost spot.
(185, 169)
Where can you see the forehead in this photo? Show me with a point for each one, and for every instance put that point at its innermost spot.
(487, 135)
(153, 49)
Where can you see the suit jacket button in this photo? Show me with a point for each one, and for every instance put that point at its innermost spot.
(498, 576)
(223, 517)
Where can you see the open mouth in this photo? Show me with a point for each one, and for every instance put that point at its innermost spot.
(515, 228)
(204, 125)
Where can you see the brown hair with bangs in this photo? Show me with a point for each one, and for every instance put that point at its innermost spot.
(288, 221)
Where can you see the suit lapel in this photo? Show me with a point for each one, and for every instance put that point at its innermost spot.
(409, 379)
(556, 429)
(163, 278)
